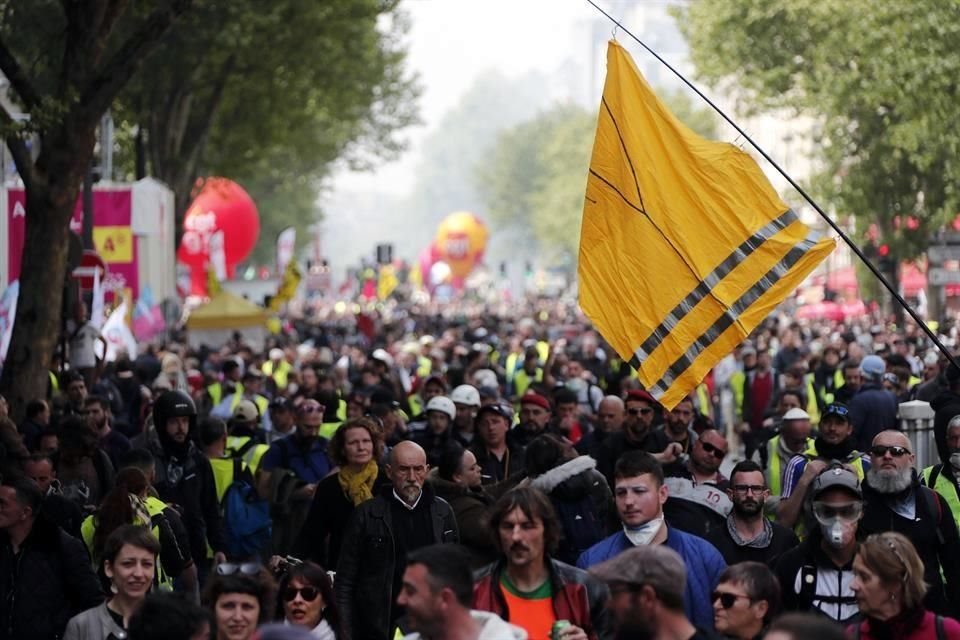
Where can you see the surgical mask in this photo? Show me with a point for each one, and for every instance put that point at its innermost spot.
(645, 533)
(833, 532)
(955, 460)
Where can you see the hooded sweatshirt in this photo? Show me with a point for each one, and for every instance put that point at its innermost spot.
(492, 627)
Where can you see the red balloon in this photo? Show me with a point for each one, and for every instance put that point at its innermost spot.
(222, 205)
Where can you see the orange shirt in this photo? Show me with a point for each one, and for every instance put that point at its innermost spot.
(530, 610)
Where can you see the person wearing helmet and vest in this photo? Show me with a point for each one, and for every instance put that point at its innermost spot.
(183, 474)
(277, 368)
(834, 443)
(436, 438)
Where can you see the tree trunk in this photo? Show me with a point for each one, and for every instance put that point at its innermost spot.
(51, 199)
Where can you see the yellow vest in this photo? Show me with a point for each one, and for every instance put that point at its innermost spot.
(522, 380)
(251, 456)
(812, 407)
(424, 366)
(945, 488)
(511, 366)
(775, 467)
(327, 429)
(416, 404)
(280, 375)
(262, 403)
(155, 507)
(216, 392)
(737, 381)
(703, 399)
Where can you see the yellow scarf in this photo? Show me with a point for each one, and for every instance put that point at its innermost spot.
(358, 485)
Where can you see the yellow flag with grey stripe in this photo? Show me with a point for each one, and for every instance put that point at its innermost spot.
(685, 247)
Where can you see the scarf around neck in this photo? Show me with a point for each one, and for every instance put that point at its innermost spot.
(358, 485)
(762, 541)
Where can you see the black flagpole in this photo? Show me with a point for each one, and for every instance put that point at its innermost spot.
(843, 236)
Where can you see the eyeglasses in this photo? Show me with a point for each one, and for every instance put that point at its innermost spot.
(848, 512)
(744, 489)
(246, 568)
(716, 452)
(636, 412)
(880, 450)
(727, 599)
(309, 594)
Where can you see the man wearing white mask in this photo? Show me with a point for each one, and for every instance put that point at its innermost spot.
(640, 493)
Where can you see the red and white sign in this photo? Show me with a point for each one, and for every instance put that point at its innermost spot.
(91, 265)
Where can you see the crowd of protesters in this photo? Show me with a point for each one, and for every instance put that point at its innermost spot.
(467, 474)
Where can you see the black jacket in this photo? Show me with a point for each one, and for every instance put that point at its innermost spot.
(46, 584)
(513, 462)
(783, 540)
(365, 572)
(194, 496)
(321, 536)
(470, 508)
(617, 444)
(827, 592)
(935, 537)
(872, 410)
(946, 405)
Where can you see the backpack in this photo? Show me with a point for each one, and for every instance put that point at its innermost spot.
(247, 526)
(581, 528)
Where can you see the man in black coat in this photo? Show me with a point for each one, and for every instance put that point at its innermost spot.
(45, 573)
(404, 517)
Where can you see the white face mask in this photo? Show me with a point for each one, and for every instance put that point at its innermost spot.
(645, 533)
(955, 460)
(833, 531)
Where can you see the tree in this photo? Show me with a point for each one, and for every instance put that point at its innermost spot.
(881, 77)
(536, 175)
(65, 62)
(271, 95)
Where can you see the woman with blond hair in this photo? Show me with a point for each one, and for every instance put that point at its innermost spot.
(888, 583)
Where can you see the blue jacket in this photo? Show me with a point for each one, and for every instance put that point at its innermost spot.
(704, 566)
(872, 410)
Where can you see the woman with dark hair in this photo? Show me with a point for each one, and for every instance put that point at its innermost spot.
(355, 449)
(128, 504)
(307, 600)
(129, 562)
(888, 581)
(240, 596)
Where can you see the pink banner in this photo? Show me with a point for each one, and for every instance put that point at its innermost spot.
(112, 237)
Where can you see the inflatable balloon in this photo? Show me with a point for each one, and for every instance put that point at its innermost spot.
(461, 240)
(222, 205)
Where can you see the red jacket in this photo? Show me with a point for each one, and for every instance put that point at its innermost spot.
(926, 630)
(577, 597)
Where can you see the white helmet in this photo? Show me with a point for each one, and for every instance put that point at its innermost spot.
(443, 404)
(466, 394)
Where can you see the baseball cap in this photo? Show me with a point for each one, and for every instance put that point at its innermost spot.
(501, 409)
(533, 398)
(466, 394)
(836, 477)
(873, 367)
(246, 411)
(747, 350)
(655, 565)
(837, 409)
(442, 404)
(280, 403)
(796, 414)
(382, 356)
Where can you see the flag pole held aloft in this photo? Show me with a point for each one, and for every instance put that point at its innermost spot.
(685, 246)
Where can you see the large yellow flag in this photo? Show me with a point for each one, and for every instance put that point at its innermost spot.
(685, 246)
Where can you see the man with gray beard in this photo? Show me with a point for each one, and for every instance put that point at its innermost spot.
(895, 501)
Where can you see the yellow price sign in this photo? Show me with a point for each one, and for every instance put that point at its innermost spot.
(114, 243)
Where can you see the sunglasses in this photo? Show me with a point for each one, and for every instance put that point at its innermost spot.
(716, 452)
(637, 412)
(836, 410)
(246, 568)
(312, 408)
(309, 594)
(727, 599)
(880, 450)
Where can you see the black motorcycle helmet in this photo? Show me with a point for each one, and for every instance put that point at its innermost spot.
(173, 404)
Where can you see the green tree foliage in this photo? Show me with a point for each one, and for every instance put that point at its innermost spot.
(881, 77)
(536, 175)
(272, 95)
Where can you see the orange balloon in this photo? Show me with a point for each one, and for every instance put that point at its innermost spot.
(461, 240)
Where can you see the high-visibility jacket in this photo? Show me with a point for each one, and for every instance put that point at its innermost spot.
(812, 407)
(327, 429)
(704, 402)
(522, 380)
(511, 367)
(215, 391)
(775, 467)
(155, 507)
(280, 373)
(827, 397)
(237, 446)
(424, 366)
(945, 486)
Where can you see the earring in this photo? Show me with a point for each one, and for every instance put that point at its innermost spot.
(113, 589)
(893, 597)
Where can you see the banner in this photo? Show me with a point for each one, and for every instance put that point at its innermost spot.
(218, 257)
(286, 245)
(113, 237)
(8, 312)
(685, 247)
